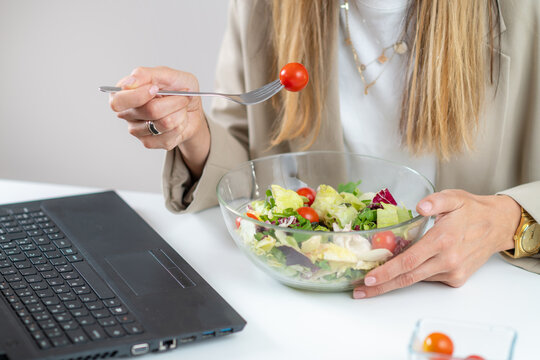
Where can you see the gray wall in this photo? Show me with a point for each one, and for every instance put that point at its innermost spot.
(55, 126)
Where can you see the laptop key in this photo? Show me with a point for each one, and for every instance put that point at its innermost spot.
(98, 314)
(27, 272)
(60, 341)
(51, 301)
(62, 317)
(94, 305)
(13, 277)
(49, 274)
(69, 325)
(36, 308)
(43, 344)
(63, 267)
(79, 312)
(86, 320)
(133, 328)
(88, 298)
(77, 336)
(71, 305)
(56, 309)
(33, 278)
(95, 332)
(74, 258)
(39, 286)
(41, 240)
(47, 324)
(107, 322)
(44, 293)
(112, 302)
(67, 296)
(8, 271)
(23, 265)
(53, 332)
(115, 331)
(81, 290)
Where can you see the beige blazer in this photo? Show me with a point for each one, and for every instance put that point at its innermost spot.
(507, 155)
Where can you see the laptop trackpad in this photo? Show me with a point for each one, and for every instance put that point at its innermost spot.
(144, 274)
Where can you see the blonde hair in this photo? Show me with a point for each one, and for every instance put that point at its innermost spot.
(448, 68)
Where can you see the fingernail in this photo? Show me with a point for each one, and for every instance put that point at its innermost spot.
(425, 206)
(370, 280)
(128, 81)
(359, 294)
(153, 90)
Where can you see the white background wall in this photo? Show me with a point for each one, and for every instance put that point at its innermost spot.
(55, 126)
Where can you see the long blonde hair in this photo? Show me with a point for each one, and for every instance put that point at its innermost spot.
(448, 69)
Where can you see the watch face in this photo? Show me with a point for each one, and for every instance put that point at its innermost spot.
(531, 238)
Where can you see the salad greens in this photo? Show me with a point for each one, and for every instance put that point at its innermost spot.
(335, 252)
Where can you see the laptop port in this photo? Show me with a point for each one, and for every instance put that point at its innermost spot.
(140, 349)
(187, 339)
(208, 334)
(167, 344)
(225, 331)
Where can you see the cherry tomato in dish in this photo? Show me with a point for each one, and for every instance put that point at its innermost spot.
(238, 221)
(253, 216)
(474, 357)
(294, 76)
(384, 240)
(438, 343)
(308, 213)
(307, 192)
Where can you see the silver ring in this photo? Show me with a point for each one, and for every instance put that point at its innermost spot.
(152, 128)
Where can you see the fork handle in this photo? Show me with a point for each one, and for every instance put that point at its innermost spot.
(114, 89)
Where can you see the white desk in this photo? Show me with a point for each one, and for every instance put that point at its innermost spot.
(284, 323)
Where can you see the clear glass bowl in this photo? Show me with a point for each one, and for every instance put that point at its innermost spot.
(250, 181)
(488, 341)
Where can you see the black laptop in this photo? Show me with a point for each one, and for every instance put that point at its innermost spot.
(85, 277)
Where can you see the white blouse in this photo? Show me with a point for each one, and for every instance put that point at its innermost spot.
(371, 122)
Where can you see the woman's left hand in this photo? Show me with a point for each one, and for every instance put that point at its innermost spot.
(468, 229)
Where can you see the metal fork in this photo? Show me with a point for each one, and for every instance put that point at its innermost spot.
(256, 96)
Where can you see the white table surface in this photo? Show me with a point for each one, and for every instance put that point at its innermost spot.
(284, 323)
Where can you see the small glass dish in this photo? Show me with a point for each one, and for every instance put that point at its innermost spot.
(488, 342)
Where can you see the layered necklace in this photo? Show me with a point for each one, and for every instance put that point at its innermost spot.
(399, 47)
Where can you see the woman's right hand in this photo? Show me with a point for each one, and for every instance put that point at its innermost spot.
(179, 119)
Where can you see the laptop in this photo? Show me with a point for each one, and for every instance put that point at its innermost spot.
(85, 277)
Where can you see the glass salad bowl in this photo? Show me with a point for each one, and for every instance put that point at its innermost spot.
(320, 220)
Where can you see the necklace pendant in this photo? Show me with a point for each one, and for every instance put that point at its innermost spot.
(400, 47)
(362, 67)
(366, 88)
(382, 59)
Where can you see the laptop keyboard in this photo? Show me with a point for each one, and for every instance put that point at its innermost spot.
(54, 291)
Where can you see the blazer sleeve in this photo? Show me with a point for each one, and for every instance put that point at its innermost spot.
(227, 122)
(528, 196)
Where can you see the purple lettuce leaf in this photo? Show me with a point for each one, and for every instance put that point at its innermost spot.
(384, 196)
(293, 257)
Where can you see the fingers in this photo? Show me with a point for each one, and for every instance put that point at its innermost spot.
(143, 84)
(409, 260)
(420, 273)
(441, 202)
(155, 109)
(134, 98)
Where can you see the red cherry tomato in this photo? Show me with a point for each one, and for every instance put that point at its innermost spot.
(308, 213)
(307, 192)
(474, 357)
(238, 221)
(253, 216)
(294, 76)
(438, 343)
(384, 240)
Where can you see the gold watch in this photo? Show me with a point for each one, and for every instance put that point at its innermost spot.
(526, 238)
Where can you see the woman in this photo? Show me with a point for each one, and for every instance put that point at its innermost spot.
(456, 81)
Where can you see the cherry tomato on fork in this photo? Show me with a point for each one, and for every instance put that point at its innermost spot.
(308, 213)
(438, 343)
(307, 192)
(384, 240)
(474, 357)
(294, 76)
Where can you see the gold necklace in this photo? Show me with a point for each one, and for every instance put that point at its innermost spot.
(400, 47)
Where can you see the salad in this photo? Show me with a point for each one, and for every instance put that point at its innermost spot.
(332, 250)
